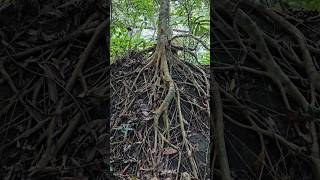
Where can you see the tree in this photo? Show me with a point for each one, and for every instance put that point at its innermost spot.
(168, 97)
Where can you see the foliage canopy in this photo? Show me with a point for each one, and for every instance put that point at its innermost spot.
(186, 17)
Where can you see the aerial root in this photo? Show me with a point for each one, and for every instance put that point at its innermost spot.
(185, 140)
(168, 122)
(294, 76)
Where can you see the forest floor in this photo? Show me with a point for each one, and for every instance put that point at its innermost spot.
(53, 90)
(132, 136)
(270, 109)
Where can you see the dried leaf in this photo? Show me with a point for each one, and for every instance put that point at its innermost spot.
(23, 44)
(166, 172)
(133, 178)
(52, 90)
(56, 13)
(169, 151)
(185, 176)
(37, 87)
(74, 178)
(91, 155)
(148, 118)
(259, 162)
(75, 162)
(32, 32)
(307, 125)
(52, 87)
(145, 113)
(46, 37)
(64, 160)
(232, 85)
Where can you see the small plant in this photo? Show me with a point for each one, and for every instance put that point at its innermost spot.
(304, 4)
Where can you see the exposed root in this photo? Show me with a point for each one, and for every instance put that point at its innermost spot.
(274, 59)
(185, 141)
(169, 120)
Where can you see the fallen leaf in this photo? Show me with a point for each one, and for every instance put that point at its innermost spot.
(33, 32)
(259, 162)
(75, 162)
(185, 176)
(23, 44)
(232, 85)
(169, 151)
(133, 178)
(145, 113)
(74, 178)
(166, 172)
(91, 155)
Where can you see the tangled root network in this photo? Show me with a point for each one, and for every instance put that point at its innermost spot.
(160, 112)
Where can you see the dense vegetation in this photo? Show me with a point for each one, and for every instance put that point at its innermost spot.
(304, 4)
(186, 17)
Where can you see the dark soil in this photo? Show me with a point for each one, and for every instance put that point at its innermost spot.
(53, 90)
(252, 154)
(132, 132)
